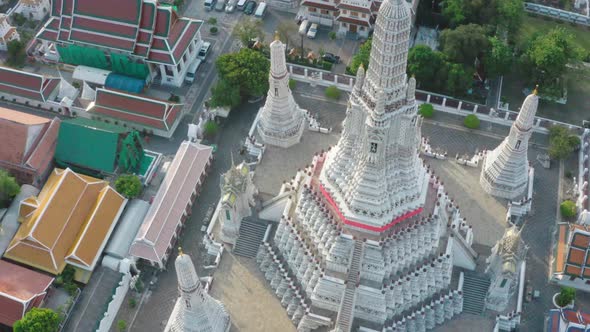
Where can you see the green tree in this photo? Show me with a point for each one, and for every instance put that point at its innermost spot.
(510, 14)
(561, 142)
(224, 94)
(249, 29)
(212, 20)
(454, 11)
(332, 92)
(121, 325)
(128, 185)
(471, 121)
(566, 296)
(568, 209)
(498, 60)
(332, 35)
(38, 320)
(8, 188)
(361, 57)
(426, 110)
(459, 80)
(292, 83)
(464, 43)
(247, 69)
(459, 12)
(429, 67)
(16, 53)
(210, 130)
(546, 57)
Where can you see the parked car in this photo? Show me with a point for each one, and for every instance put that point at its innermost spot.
(329, 57)
(220, 6)
(191, 72)
(260, 10)
(313, 30)
(209, 5)
(241, 4)
(204, 50)
(250, 6)
(231, 6)
(303, 27)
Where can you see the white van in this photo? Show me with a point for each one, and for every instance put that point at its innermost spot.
(261, 10)
(209, 5)
(192, 71)
(303, 27)
(241, 4)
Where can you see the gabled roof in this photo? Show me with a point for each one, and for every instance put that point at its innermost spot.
(314, 4)
(139, 27)
(142, 110)
(28, 140)
(27, 85)
(73, 219)
(20, 290)
(165, 213)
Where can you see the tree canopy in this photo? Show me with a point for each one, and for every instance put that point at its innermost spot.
(248, 69)
(8, 188)
(510, 14)
(426, 110)
(464, 43)
(459, 80)
(362, 56)
(224, 94)
(546, 57)
(471, 121)
(38, 320)
(506, 13)
(561, 142)
(428, 66)
(128, 185)
(568, 209)
(16, 53)
(498, 59)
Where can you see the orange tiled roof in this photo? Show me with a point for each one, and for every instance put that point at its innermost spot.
(578, 252)
(68, 223)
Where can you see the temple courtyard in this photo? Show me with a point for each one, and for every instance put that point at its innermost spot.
(242, 288)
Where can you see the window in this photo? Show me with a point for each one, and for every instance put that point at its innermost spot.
(276, 92)
(323, 11)
(191, 48)
(503, 283)
(312, 10)
(362, 28)
(355, 14)
(373, 147)
(227, 215)
(517, 144)
(169, 71)
(363, 15)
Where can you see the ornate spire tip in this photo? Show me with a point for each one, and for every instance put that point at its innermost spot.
(180, 252)
(277, 37)
(536, 90)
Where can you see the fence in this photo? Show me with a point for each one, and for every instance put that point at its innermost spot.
(557, 14)
(115, 304)
(440, 102)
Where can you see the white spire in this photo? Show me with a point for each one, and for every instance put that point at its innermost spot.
(505, 170)
(375, 173)
(195, 310)
(281, 121)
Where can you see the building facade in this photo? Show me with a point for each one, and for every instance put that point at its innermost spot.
(34, 9)
(143, 31)
(8, 33)
(368, 237)
(347, 17)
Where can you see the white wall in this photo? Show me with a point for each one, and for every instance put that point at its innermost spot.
(115, 304)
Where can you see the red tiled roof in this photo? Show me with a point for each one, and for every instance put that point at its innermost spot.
(118, 10)
(111, 42)
(47, 35)
(141, 50)
(147, 16)
(164, 216)
(28, 85)
(67, 6)
(40, 158)
(100, 26)
(352, 21)
(187, 38)
(318, 5)
(144, 37)
(165, 58)
(580, 240)
(353, 8)
(65, 23)
(56, 7)
(159, 44)
(20, 288)
(173, 115)
(64, 35)
(53, 23)
(143, 120)
(163, 23)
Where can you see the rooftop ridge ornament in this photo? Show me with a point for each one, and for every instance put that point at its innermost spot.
(536, 90)
(277, 35)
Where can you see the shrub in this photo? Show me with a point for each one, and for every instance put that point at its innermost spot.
(566, 296)
(568, 209)
(128, 185)
(174, 98)
(292, 83)
(471, 121)
(332, 35)
(122, 325)
(211, 129)
(132, 302)
(213, 30)
(212, 21)
(561, 142)
(426, 110)
(9, 188)
(332, 92)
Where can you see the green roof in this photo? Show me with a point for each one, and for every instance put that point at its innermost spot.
(88, 144)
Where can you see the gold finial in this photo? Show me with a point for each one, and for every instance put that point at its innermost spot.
(362, 66)
(180, 252)
(536, 90)
(414, 76)
(277, 37)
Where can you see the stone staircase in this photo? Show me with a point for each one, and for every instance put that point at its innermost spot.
(346, 312)
(475, 289)
(251, 235)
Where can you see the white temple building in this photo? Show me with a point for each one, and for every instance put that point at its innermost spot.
(367, 235)
(504, 268)
(505, 171)
(237, 200)
(281, 121)
(195, 310)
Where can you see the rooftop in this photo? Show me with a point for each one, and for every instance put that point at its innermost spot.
(69, 222)
(20, 289)
(27, 85)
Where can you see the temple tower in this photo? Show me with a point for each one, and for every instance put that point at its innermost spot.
(195, 310)
(281, 121)
(368, 236)
(505, 170)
